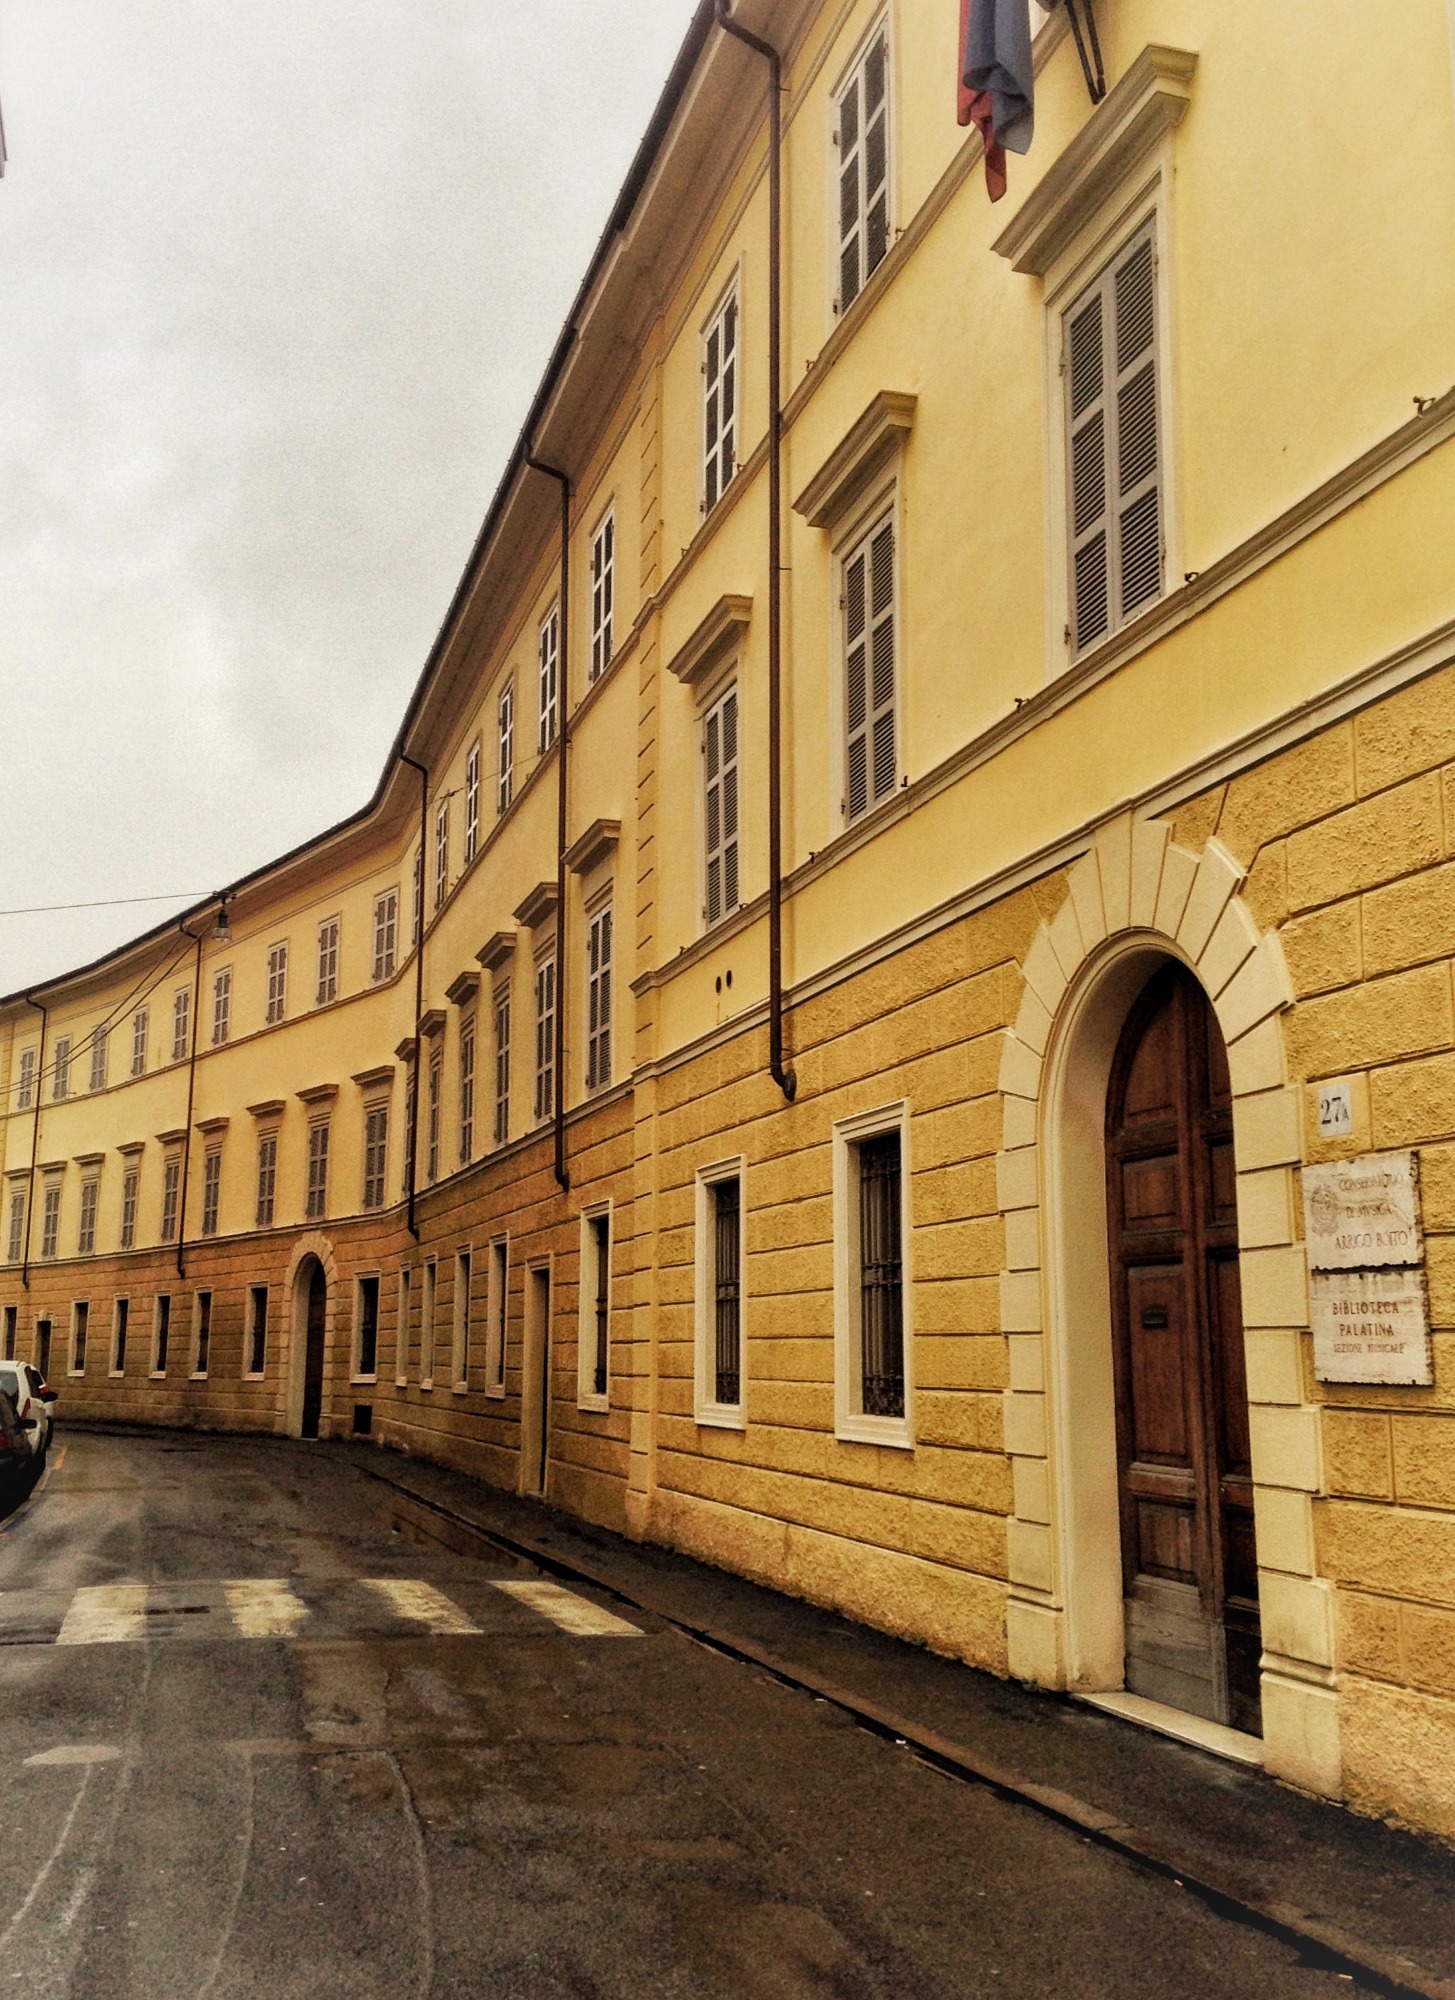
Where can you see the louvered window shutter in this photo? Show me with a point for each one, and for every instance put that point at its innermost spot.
(720, 806)
(869, 658)
(1115, 462)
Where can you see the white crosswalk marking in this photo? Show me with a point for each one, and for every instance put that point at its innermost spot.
(564, 1608)
(101, 1613)
(265, 1608)
(421, 1602)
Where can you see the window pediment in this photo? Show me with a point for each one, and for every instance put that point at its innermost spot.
(719, 632)
(871, 444)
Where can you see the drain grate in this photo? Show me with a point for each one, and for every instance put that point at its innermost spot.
(174, 1610)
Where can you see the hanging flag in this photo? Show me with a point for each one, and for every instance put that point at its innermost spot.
(997, 81)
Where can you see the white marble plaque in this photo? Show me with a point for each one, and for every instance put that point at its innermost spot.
(1362, 1214)
(1370, 1326)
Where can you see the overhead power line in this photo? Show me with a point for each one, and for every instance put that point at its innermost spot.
(108, 903)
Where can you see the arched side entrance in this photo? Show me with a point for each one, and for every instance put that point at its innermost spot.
(312, 1294)
(1136, 903)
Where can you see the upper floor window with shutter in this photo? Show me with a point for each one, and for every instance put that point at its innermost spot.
(871, 763)
(100, 1049)
(386, 934)
(181, 1023)
(328, 933)
(139, 1042)
(603, 593)
(221, 1006)
(863, 151)
(441, 853)
(720, 402)
(472, 802)
(277, 982)
(25, 1089)
(505, 737)
(720, 806)
(1114, 455)
(548, 654)
(61, 1068)
(598, 1000)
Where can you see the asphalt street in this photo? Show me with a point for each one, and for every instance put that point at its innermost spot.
(262, 1743)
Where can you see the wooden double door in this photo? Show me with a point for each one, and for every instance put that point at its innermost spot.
(1189, 1567)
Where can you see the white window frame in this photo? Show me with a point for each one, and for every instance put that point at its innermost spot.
(1144, 201)
(100, 1055)
(161, 1356)
(250, 1331)
(720, 455)
(851, 1424)
(588, 1396)
(707, 1409)
(505, 747)
(329, 933)
(858, 540)
(460, 1319)
(386, 935)
(603, 593)
(548, 680)
(500, 1003)
(221, 1006)
(600, 992)
(277, 1007)
(472, 802)
(120, 1321)
(543, 1101)
(428, 1305)
(497, 1302)
(403, 1313)
(441, 854)
(724, 691)
(78, 1307)
(417, 929)
(852, 73)
(201, 1362)
(357, 1371)
(139, 1027)
(467, 1073)
(434, 1109)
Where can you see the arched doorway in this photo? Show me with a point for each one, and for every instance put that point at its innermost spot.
(312, 1296)
(1184, 1473)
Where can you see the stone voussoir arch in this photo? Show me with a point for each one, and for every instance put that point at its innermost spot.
(1133, 899)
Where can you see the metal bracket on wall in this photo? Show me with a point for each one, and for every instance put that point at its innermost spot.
(1088, 46)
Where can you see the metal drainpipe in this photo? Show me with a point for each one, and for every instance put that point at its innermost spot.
(34, 1137)
(196, 1023)
(412, 1156)
(786, 1079)
(563, 740)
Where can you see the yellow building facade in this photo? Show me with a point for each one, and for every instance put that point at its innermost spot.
(814, 1052)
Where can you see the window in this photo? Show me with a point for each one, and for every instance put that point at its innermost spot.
(467, 1089)
(871, 1292)
(80, 1331)
(401, 1336)
(221, 1007)
(267, 1177)
(1113, 453)
(598, 1000)
(277, 982)
(181, 1023)
(15, 1236)
(871, 760)
(328, 933)
(426, 1328)
(502, 1066)
(432, 1124)
(441, 853)
(25, 1092)
(727, 1290)
(50, 1219)
(120, 1321)
(211, 1189)
(100, 1050)
(603, 590)
(376, 1154)
(460, 1353)
(139, 1042)
(720, 805)
(411, 1136)
(386, 934)
(257, 1329)
(202, 1351)
(171, 1196)
(548, 652)
(162, 1333)
(130, 1188)
(317, 1204)
(593, 1352)
(720, 402)
(863, 142)
(545, 1038)
(61, 1068)
(12, 1316)
(417, 928)
(366, 1353)
(505, 739)
(43, 1348)
(86, 1232)
(472, 803)
(497, 1286)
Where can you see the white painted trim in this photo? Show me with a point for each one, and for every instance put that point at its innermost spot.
(403, 1310)
(851, 1425)
(497, 1305)
(429, 1291)
(588, 1397)
(460, 1321)
(707, 1410)
(356, 1373)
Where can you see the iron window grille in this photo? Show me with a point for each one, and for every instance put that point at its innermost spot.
(80, 1331)
(164, 1333)
(599, 1227)
(368, 1356)
(120, 1326)
(257, 1329)
(881, 1278)
(204, 1333)
(727, 1329)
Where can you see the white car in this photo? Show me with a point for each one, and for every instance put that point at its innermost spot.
(31, 1397)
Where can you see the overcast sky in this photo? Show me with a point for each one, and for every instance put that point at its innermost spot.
(277, 281)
